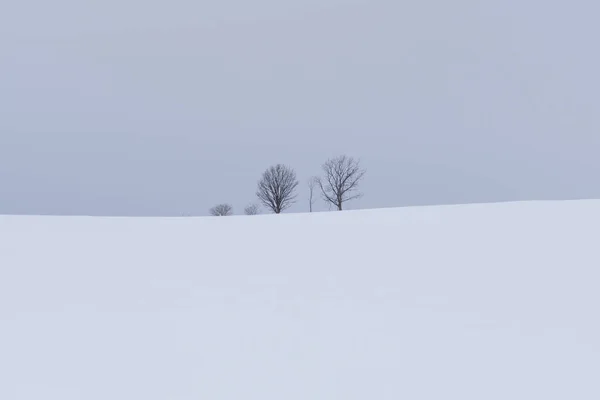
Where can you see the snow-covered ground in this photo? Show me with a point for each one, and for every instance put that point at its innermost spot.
(495, 301)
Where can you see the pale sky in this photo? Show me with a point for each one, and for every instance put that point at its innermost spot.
(131, 107)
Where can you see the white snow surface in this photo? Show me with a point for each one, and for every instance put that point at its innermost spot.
(496, 301)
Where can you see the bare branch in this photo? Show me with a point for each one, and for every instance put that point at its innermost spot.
(342, 178)
(312, 182)
(277, 187)
(221, 210)
(252, 209)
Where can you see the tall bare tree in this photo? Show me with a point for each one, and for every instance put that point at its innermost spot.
(221, 210)
(252, 209)
(341, 181)
(312, 183)
(277, 188)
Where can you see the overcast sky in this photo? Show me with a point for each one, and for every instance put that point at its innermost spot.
(145, 107)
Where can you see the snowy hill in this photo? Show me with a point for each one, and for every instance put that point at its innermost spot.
(472, 302)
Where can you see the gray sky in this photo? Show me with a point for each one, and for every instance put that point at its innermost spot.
(131, 107)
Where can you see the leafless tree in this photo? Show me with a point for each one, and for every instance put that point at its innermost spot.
(342, 177)
(312, 183)
(252, 209)
(277, 188)
(221, 210)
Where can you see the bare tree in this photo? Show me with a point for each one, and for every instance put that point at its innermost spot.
(252, 209)
(312, 183)
(342, 177)
(277, 188)
(221, 210)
